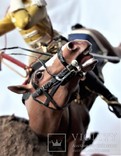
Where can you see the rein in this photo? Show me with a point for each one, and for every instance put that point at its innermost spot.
(16, 61)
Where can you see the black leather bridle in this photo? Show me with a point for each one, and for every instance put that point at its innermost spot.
(50, 88)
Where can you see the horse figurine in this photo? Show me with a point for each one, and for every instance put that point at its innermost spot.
(48, 92)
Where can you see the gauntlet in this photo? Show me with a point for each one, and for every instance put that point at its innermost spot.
(20, 18)
(19, 15)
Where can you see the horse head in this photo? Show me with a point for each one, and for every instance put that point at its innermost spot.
(59, 77)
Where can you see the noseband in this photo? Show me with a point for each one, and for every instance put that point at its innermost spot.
(62, 78)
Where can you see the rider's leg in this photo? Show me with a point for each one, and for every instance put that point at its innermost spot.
(93, 83)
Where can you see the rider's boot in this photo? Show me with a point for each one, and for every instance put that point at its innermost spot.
(94, 84)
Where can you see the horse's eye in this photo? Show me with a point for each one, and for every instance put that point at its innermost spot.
(39, 74)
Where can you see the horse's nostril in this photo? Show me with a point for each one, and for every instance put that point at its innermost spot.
(71, 45)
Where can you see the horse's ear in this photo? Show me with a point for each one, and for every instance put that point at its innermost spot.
(20, 89)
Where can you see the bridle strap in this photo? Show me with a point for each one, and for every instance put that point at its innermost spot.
(61, 79)
(61, 58)
(55, 82)
(44, 90)
(49, 98)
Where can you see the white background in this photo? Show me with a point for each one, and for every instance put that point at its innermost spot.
(102, 15)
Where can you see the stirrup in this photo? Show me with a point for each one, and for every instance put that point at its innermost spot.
(115, 108)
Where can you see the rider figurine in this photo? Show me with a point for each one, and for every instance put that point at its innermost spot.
(30, 18)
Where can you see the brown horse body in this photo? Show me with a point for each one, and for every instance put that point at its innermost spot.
(72, 120)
